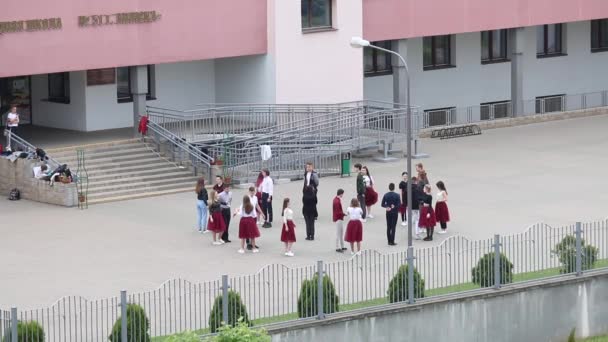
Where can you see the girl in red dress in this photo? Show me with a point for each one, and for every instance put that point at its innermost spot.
(371, 196)
(248, 228)
(427, 214)
(441, 207)
(354, 229)
(288, 232)
(216, 220)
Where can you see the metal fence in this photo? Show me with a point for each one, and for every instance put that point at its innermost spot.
(279, 293)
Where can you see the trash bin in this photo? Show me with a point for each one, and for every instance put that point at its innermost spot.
(345, 171)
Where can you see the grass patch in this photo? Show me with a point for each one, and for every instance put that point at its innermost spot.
(596, 339)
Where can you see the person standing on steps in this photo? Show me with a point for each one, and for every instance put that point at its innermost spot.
(311, 178)
(361, 190)
(309, 210)
(427, 214)
(12, 123)
(391, 202)
(267, 189)
(225, 198)
(403, 207)
(288, 232)
(201, 205)
(338, 218)
(441, 207)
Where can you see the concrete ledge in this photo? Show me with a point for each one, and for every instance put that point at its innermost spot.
(19, 175)
(527, 120)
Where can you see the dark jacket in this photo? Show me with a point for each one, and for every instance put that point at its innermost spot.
(314, 180)
(391, 200)
(202, 195)
(403, 188)
(360, 185)
(416, 196)
(309, 204)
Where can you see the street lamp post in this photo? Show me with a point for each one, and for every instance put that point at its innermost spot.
(359, 42)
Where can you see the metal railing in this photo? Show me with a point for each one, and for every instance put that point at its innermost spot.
(279, 293)
(500, 110)
(19, 144)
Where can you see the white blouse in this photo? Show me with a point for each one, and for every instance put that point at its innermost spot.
(368, 181)
(253, 213)
(441, 196)
(287, 215)
(354, 213)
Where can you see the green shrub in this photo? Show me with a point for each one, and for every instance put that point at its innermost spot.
(572, 336)
(483, 273)
(30, 331)
(137, 326)
(241, 332)
(398, 286)
(236, 310)
(566, 252)
(307, 301)
(184, 337)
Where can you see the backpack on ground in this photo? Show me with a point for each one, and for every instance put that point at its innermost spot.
(14, 195)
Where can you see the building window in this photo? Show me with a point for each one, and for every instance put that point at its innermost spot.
(549, 40)
(599, 35)
(439, 116)
(59, 87)
(378, 62)
(494, 46)
(316, 14)
(494, 110)
(551, 103)
(437, 52)
(123, 84)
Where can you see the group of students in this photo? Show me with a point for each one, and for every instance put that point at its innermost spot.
(214, 210)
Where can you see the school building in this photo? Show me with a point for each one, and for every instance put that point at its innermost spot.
(93, 65)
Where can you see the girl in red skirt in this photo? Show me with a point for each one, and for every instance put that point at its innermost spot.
(258, 193)
(354, 229)
(371, 196)
(288, 233)
(441, 207)
(248, 229)
(427, 214)
(216, 220)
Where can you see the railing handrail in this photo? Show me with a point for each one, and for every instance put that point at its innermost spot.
(31, 148)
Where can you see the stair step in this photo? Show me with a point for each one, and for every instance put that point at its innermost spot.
(144, 161)
(133, 168)
(137, 196)
(97, 146)
(130, 178)
(115, 159)
(99, 188)
(105, 154)
(119, 176)
(99, 195)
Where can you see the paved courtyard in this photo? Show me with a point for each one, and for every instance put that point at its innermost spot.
(499, 182)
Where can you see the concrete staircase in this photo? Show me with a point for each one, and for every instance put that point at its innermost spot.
(127, 169)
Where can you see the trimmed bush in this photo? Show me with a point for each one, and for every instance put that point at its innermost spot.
(30, 331)
(184, 337)
(241, 332)
(138, 326)
(307, 301)
(566, 252)
(398, 286)
(236, 311)
(483, 273)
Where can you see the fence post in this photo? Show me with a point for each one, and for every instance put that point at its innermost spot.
(123, 315)
(410, 275)
(225, 299)
(579, 252)
(320, 313)
(14, 323)
(497, 261)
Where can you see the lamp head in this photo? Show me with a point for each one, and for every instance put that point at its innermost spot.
(358, 42)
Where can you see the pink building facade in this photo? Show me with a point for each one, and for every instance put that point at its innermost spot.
(77, 64)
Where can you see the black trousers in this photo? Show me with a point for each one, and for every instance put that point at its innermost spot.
(361, 199)
(227, 215)
(444, 225)
(391, 225)
(309, 218)
(267, 207)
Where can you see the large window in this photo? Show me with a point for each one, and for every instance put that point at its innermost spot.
(439, 116)
(551, 103)
(316, 14)
(549, 40)
(599, 35)
(59, 87)
(378, 62)
(123, 84)
(494, 110)
(494, 46)
(437, 52)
